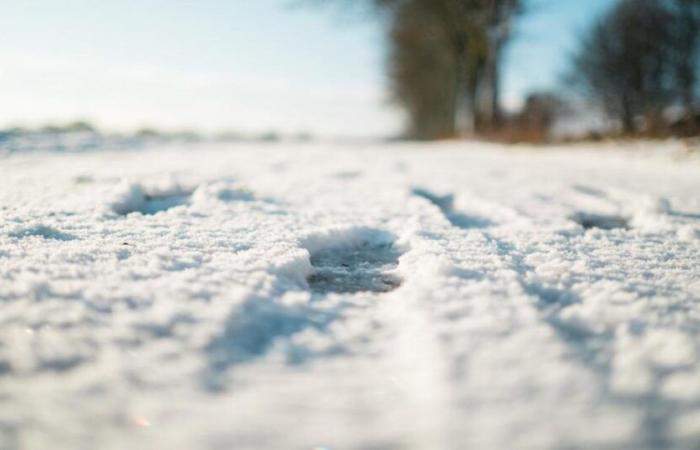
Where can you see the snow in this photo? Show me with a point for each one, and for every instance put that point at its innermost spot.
(444, 296)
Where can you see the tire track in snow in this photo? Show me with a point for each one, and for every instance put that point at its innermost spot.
(600, 346)
(550, 299)
(416, 364)
(475, 320)
(446, 205)
(410, 353)
(595, 349)
(531, 306)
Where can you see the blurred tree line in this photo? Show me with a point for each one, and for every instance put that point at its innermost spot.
(638, 63)
(445, 62)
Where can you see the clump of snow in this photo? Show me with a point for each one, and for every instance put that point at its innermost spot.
(342, 237)
(221, 191)
(655, 205)
(651, 213)
(688, 233)
(129, 197)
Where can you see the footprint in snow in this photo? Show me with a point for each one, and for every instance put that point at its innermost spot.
(600, 221)
(363, 262)
(345, 261)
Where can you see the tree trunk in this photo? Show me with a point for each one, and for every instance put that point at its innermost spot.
(628, 124)
(495, 74)
(463, 107)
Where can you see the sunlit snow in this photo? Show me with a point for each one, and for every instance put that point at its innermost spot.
(403, 296)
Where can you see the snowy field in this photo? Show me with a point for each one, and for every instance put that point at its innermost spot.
(454, 296)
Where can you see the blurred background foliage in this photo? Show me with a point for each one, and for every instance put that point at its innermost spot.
(637, 65)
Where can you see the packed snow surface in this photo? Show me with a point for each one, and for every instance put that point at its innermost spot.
(453, 296)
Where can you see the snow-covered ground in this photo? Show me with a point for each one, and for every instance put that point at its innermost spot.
(454, 296)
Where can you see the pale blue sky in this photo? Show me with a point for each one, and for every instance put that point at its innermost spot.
(250, 65)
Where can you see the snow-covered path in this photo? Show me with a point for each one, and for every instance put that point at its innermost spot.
(312, 296)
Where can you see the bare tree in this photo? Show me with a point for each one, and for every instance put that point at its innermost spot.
(686, 48)
(445, 61)
(421, 72)
(641, 59)
(498, 15)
